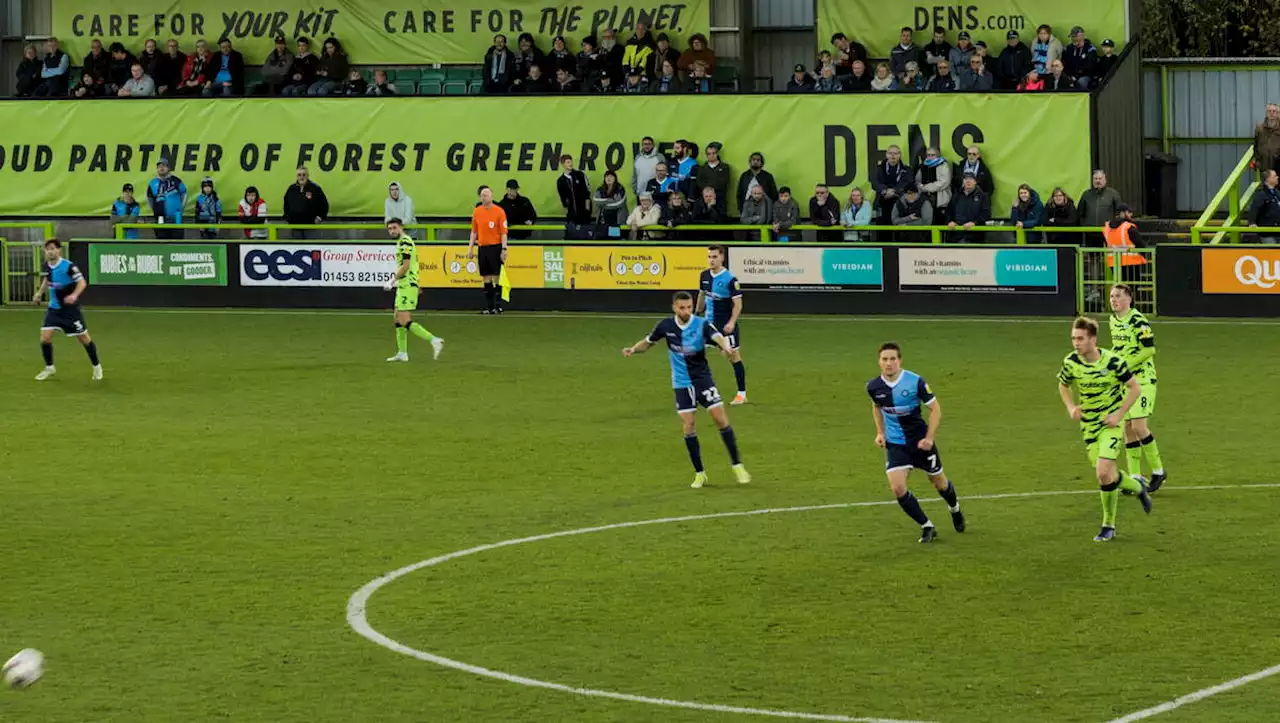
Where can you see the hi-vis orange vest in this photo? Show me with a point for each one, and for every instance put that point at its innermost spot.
(1118, 238)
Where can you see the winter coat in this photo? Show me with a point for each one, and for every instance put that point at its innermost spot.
(852, 217)
(499, 81)
(1064, 215)
(662, 190)
(168, 73)
(27, 76)
(209, 208)
(1266, 146)
(120, 69)
(1053, 82)
(1096, 206)
(889, 178)
(672, 84)
(1030, 214)
(275, 71)
(804, 85)
(167, 197)
(942, 84)
(824, 214)
(640, 217)
(333, 67)
(197, 69)
(900, 56)
(401, 208)
(520, 213)
(972, 207)
(705, 214)
(934, 52)
(756, 213)
(676, 215)
(1013, 65)
(717, 177)
(960, 65)
(98, 66)
(575, 196)
(645, 169)
(986, 181)
(306, 66)
(304, 204)
(1082, 61)
(1265, 209)
(935, 183)
(253, 214)
(786, 213)
(610, 206)
(763, 178)
(1043, 54)
(903, 210)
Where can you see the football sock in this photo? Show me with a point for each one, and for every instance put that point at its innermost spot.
(740, 373)
(46, 349)
(1151, 451)
(1133, 453)
(1110, 501)
(1129, 484)
(488, 295)
(949, 496)
(92, 350)
(695, 451)
(420, 331)
(731, 444)
(911, 506)
(402, 339)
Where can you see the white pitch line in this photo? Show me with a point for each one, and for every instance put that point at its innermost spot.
(1199, 695)
(357, 609)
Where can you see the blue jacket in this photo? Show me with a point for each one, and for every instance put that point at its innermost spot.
(1032, 215)
(208, 208)
(129, 212)
(167, 197)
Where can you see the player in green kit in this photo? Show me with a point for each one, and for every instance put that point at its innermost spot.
(405, 282)
(1107, 390)
(1133, 340)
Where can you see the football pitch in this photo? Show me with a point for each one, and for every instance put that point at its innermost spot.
(195, 537)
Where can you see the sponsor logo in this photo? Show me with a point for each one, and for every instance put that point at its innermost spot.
(282, 265)
(1240, 271)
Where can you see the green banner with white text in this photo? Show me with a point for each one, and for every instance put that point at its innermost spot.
(157, 264)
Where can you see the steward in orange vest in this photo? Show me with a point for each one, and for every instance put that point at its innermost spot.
(1121, 233)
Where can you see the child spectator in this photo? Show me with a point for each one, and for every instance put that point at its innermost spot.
(303, 71)
(785, 214)
(253, 210)
(126, 210)
(356, 85)
(208, 208)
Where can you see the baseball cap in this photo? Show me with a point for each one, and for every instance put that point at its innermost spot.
(127, 187)
(980, 44)
(281, 39)
(164, 162)
(911, 188)
(971, 174)
(1108, 43)
(964, 35)
(513, 183)
(634, 71)
(715, 144)
(1122, 207)
(799, 68)
(1011, 35)
(1077, 30)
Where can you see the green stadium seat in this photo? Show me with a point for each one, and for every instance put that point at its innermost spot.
(434, 74)
(392, 75)
(455, 87)
(725, 77)
(430, 87)
(458, 73)
(404, 87)
(475, 87)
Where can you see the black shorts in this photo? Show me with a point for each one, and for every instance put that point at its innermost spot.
(69, 319)
(734, 339)
(701, 391)
(490, 258)
(906, 456)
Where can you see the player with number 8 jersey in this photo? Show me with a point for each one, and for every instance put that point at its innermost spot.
(1133, 340)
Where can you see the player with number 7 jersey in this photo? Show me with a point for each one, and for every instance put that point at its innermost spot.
(687, 336)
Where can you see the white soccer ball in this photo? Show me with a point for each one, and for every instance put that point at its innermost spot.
(24, 669)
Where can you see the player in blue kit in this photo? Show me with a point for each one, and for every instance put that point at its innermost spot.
(66, 285)
(687, 336)
(908, 441)
(720, 301)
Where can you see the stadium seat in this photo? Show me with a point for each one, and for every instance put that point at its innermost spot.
(434, 74)
(404, 87)
(725, 77)
(455, 87)
(430, 87)
(475, 87)
(463, 74)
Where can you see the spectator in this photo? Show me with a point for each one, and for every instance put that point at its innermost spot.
(982, 81)
(560, 58)
(847, 51)
(937, 51)
(635, 82)
(356, 86)
(1015, 61)
(613, 54)
(959, 58)
(707, 210)
(253, 211)
(228, 77)
(499, 66)
(716, 174)
(644, 168)
(974, 164)
(121, 63)
(906, 51)
(97, 64)
(668, 81)
(1081, 59)
(305, 204)
(1265, 210)
(528, 57)
(825, 60)
(1033, 83)
(208, 208)
(1058, 79)
(519, 209)
(933, 178)
(330, 69)
(698, 51)
(275, 69)
(639, 49)
(1045, 50)
(801, 81)
(824, 211)
(676, 213)
(884, 79)
(661, 186)
(88, 88)
(195, 73)
(827, 82)
(591, 66)
(139, 85)
(913, 209)
(647, 213)
(1098, 204)
(1028, 212)
(686, 169)
(971, 207)
(126, 210)
(167, 196)
(603, 85)
(664, 52)
(856, 213)
(700, 79)
(785, 215)
(944, 81)
(28, 73)
(757, 209)
(756, 175)
(610, 201)
(535, 84)
(980, 49)
(399, 204)
(1061, 212)
(381, 85)
(575, 193)
(150, 58)
(1266, 140)
(565, 84)
(1107, 59)
(169, 67)
(858, 80)
(888, 180)
(911, 80)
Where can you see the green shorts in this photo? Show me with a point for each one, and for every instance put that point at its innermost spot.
(1109, 445)
(407, 298)
(1146, 404)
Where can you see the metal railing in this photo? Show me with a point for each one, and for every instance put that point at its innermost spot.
(1098, 269)
(1236, 201)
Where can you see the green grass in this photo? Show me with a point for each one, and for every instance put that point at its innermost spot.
(182, 539)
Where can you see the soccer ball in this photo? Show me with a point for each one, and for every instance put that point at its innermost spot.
(24, 669)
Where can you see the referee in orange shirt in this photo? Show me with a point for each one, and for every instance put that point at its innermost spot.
(489, 230)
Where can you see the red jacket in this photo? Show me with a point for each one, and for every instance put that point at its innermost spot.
(196, 69)
(1028, 87)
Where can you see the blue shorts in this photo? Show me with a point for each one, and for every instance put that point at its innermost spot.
(907, 456)
(702, 391)
(69, 319)
(734, 339)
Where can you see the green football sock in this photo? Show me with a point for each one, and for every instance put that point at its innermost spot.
(1110, 502)
(402, 340)
(1129, 484)
(1151, 451)
(420, 331)
(1133, 455)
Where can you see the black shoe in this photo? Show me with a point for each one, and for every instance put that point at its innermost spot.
(957, 519)
(485, 312)
(1144, 496)
(928, 533)
(1157, 481)
(499, 311)
(1106, 535)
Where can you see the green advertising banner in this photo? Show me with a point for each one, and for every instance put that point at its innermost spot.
(158, 264)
